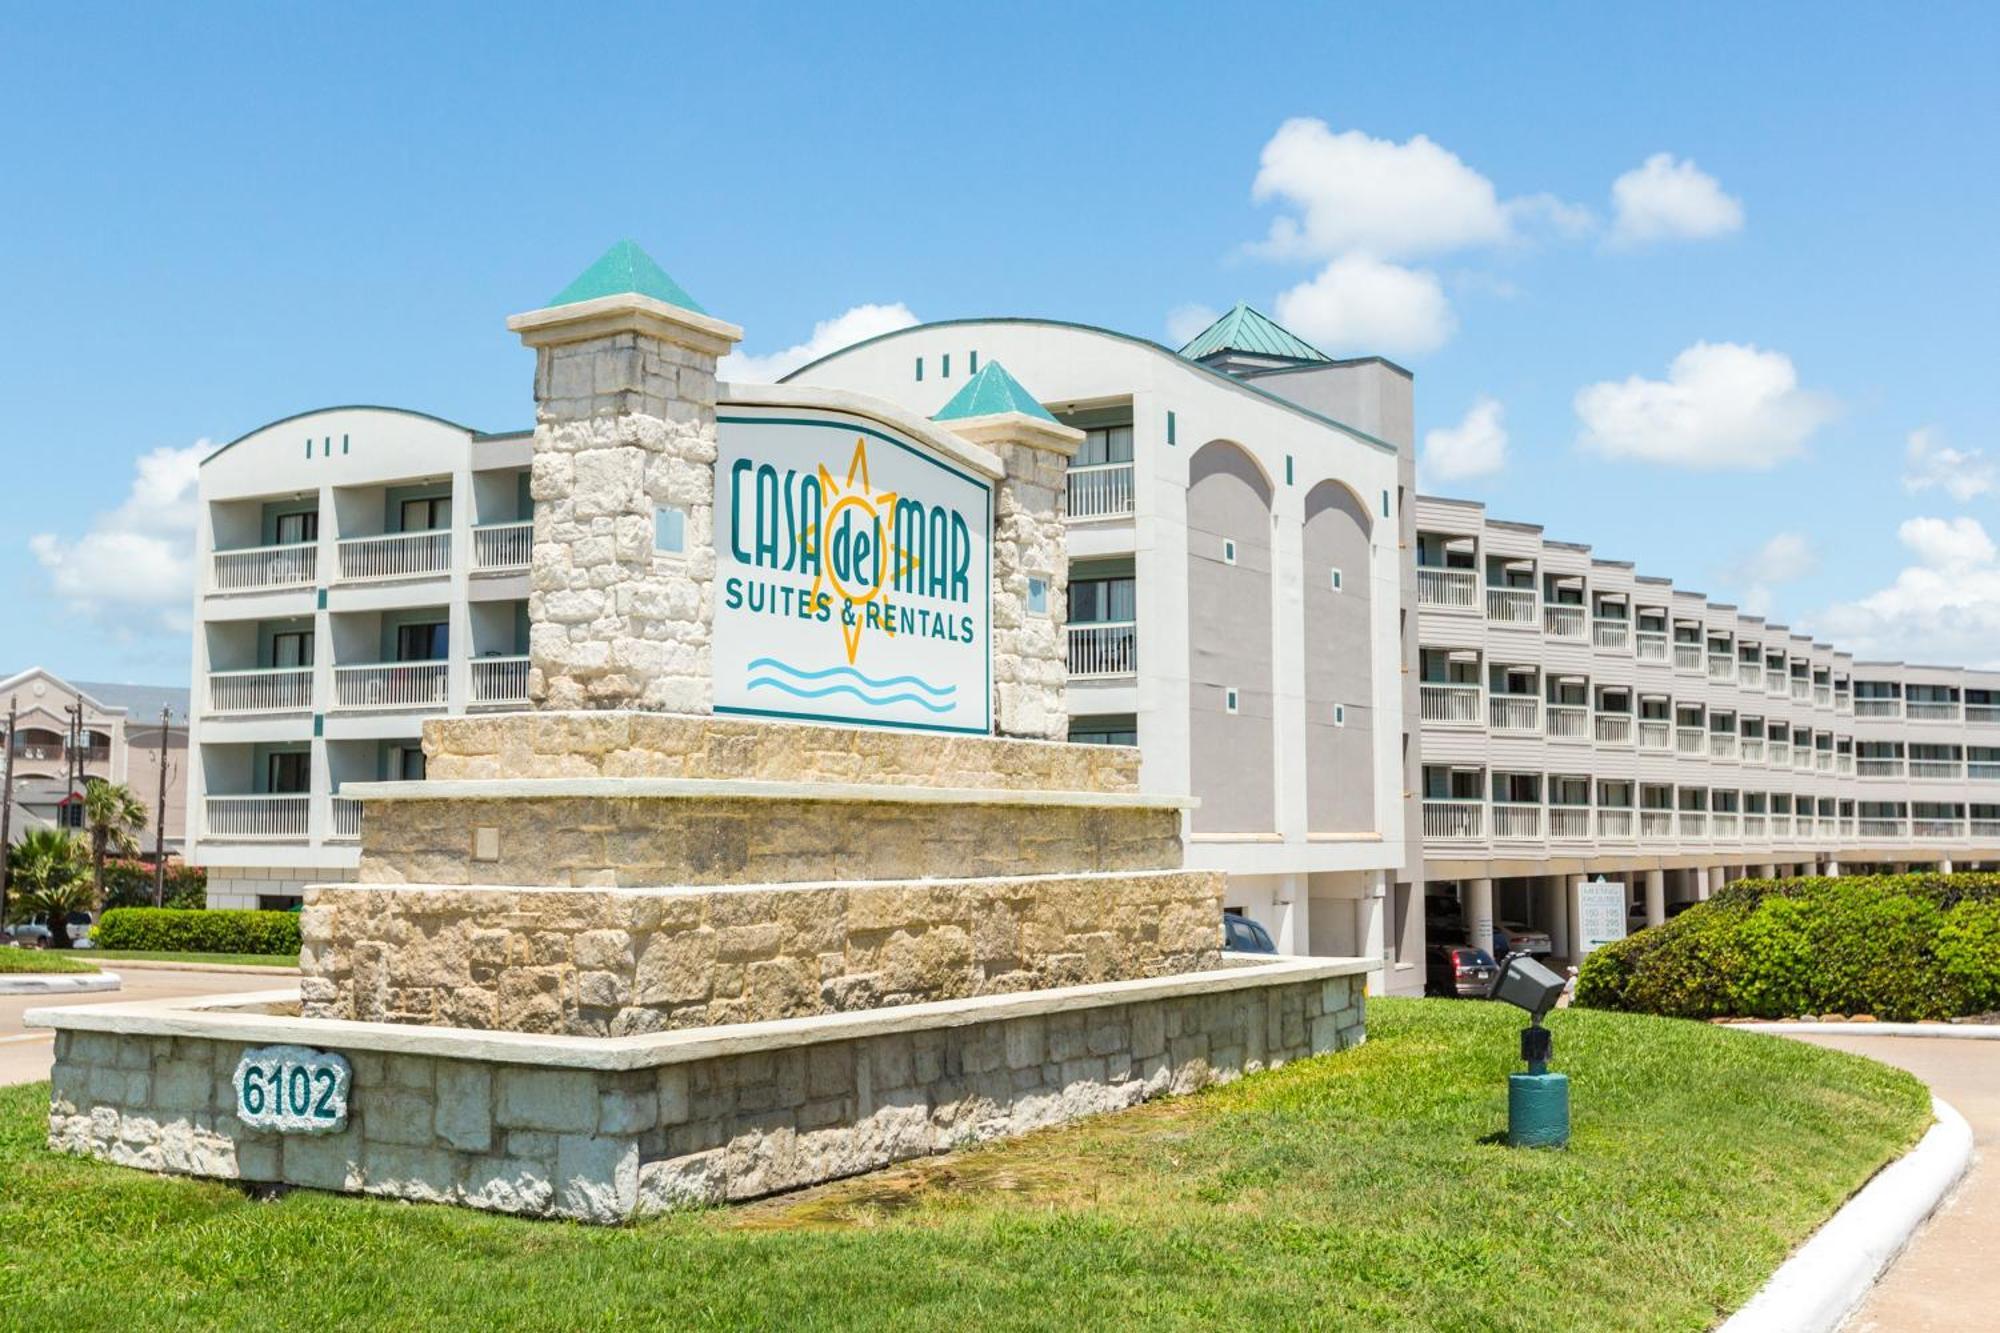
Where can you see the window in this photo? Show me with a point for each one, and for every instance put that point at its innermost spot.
(1385, 504)
(669, 530)
(1102, 601)
(422, 643)
(920, 368)
(1084, 733)
(1038, 596)
(279, 902)
(1170, 428)
(944, 366)
(972, 363)
(406, 763)
(1340, 715)
(298, 529)
(427, 515)
(1104, 444)
(288, 772)
(1229, 699)
(1228, 551)
(292, 648)
(1336, 580)
(1288, 469)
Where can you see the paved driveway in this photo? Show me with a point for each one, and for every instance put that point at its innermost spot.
(25, 1055)
(1949, 1278)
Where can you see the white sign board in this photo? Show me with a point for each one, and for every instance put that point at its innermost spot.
(292, 1089)
(853, 575)
(1602, 914)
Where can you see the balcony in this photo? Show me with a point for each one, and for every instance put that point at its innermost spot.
(1753, 826)
(1687, 657)
(1516, 821)
(1823, 761)
(1774, 682)
(1938, 828)
(1883, 828)
(1924, 710)
(391, 685)
(1751, 749)
(346, 815)
(1570, 823)
(399, 555)
(262, 568)
(1614, 823)
(1843, 764)
(1652, 646)
(1514, 712)
(1454, 821)
(1613, 634)
(1449, 705)
(1722, 745)
(1725, 825)
(1562, 621)
(1721, 667)
(1781, 826)
(1781, 754)
(1568, 722)
(1100, 490)
(1802, 759)
(1879, 768)
(258, 818)
(1983, 770)
(277, 690)
(1983, 714)
(499, 681)
(1843, 704)
(1986, 828)
(1511, 606)
(502, 547)
(1693, 823)
(1656, 825)
(1690, 740)
(1822, 696)
(1937, 769)
(1457, 589)
(1750, 675)
(1614, 728)
(1801, 688)
(1878, 708)
(1655, 735)
(1103, 649)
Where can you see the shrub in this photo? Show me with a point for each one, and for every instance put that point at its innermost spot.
(130, 884)
(1900, 947)
(178, 930)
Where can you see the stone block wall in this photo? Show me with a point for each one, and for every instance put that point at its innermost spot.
(593, 963)
(604, 1146)
(1030, 649)
(603, 842)
(666, 745)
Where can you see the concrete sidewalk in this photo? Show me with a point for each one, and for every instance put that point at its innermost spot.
(1949, 1278)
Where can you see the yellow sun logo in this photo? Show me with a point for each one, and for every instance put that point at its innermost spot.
(858, 565)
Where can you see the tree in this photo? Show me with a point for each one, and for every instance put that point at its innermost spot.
(112, 817)
(48, 876)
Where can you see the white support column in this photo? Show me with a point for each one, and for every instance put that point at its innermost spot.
(1289, 899)
(1832, 866)
(1656, 897)
(1555, 894)
(1944, 867)
(1371, 930)
(1478, 908)
(1701, 878)
(1767, 872)
(1573, 914)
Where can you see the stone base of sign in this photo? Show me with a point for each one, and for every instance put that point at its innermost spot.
(599, 963)
(606, 1129)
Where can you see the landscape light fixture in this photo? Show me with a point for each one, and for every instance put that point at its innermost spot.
(1537, 1101)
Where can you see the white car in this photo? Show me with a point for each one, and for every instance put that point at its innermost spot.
(1518, 937)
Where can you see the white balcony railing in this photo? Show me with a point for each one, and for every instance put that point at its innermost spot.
(258, 818)
(1687, 657)
(1879, 768)
(1614, 823)
(1562, 621)
(1722, 744)
(1104, 648)
(1656, 824)
(1822, 696)
(1693, 823)
(1568, 722)
(1938, 828)
(499, 680)
(1725, 824)
(1802, 758)
(1511, 606)
(1843, 764)
(1690, 740)
(1455, 588)
(1983, 770)
(502, 546)
(1878, 708)
(1614, 728)
(1774, 681)
(1514, 712)
(1721, 667)
(1655, 735)
(1454, 821)
(1449, 704)
(1652, 646)
(399, 555)
(1511, 820)
(1923, 710)
(1843, 704)
(391, 685)
(1936, 768)
(1100, 490)
(1571, 822)
(1781, 826)
(1613, 634)
(1749, 675)
(1822, 761)
(1781, 754)
(279, 690)
(1882, 828)
(1751, 749)
(346, 814)
(1753, 826)
(256, 568)
(1986, 828)
(1801, 688)
(1982, 714)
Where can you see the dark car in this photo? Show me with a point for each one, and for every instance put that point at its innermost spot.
(1242, 935)
(1458, 970)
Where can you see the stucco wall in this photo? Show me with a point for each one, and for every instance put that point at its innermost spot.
(1339, 669)
(1229, 643)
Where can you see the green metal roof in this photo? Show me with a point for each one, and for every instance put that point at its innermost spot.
(991, 390)
(1245, 329)
(626, 268)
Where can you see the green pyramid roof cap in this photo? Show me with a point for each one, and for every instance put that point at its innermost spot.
(991, 390)
(626, 268)
(1245, 329)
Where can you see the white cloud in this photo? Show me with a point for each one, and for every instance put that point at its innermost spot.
(1962, 473)
(1185, 321)
(829, 335)
(1785, 558)
(1475, 447)
(1360, 304)
(1722, 405)
(136, 561)
(1666, 199)
(1944, 609)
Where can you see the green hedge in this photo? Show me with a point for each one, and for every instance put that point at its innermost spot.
(1900, 947)
(173, 930)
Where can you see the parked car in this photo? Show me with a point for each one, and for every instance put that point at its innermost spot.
(1458, 970)
(27, 934)
(78, 925)
(1514, 937)
(1242, 935)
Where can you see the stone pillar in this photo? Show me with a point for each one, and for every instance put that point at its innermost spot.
(1030, 545)
(1656, 897)
(1555, 899)
(1702, 875)
(1478, 908)
(624, 428)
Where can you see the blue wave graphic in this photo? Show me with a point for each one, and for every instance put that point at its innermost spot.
(870, 699)
(940, 691)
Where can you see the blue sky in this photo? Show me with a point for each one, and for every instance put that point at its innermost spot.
(212, 216)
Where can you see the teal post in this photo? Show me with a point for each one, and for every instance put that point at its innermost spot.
(1537, 1101)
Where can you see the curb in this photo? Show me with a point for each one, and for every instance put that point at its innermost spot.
(62, 983)
(1826, 1278)
(165, 965)
(1953, 1031)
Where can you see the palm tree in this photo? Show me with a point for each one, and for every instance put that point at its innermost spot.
(47, 870)
(112, 816)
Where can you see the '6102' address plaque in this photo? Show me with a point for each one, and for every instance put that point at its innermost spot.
(293, 1089)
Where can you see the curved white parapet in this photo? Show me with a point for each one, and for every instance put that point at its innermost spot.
(1820, 1285)
(58, 983)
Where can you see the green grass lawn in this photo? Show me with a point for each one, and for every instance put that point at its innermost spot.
(234, 959)
(41, 960)
(1354, 1191)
